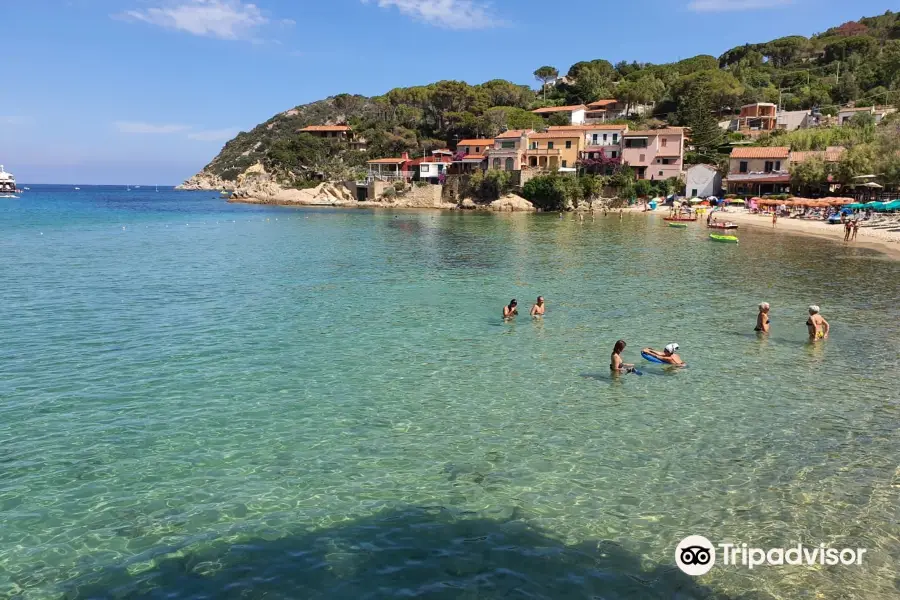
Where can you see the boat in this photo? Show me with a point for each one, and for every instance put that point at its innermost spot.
(7, 184)
(677, 224)
(680, 219)
(77, 188)
(137, 187)
(722, 226)
(723, 238)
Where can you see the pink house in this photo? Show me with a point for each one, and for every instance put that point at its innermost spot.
(655, 153)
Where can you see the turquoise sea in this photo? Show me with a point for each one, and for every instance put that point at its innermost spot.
(206, 400)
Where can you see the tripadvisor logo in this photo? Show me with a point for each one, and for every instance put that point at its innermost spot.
(696, 555)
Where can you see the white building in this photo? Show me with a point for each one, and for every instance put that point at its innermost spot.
(575, 113)
(845, 115)
(702, 181)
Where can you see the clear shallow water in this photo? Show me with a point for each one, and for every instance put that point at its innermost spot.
(236, 401)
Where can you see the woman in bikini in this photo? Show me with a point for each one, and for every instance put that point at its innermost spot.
(817, 325)
(616, 364)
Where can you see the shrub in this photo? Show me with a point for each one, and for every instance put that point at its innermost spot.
(399, 186)
(643, 188)
(552, 192)
(487, 186)
(389, 192)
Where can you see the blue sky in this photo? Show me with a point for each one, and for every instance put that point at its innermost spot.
(147, 91)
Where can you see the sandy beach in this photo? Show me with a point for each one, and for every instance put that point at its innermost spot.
(882, 240)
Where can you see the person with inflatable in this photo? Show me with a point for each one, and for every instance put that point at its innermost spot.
(817, 325)
(668, 356)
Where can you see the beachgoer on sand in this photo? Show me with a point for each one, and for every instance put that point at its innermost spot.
(817, 325)
(855, 229)
(762, 319)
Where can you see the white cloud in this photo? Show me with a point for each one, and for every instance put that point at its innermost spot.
(213, 135)
(15, 120)
(141, 127)
(452, 14)
(223, 19)
(733, 5)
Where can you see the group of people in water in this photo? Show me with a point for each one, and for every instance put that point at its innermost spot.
(816, 324)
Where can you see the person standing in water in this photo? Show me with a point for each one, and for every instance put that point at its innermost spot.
(616, 363)
(762, 319)
(511, 309)
(668, 355)
(817, 325)
(538, 309)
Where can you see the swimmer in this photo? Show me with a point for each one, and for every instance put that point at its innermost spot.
(538, 309)
(511, 310)
(816, 324)
(667, 355)
(615, 360)
(762, 319)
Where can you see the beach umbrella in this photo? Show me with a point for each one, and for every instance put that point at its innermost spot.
(694, 200)
(872, 184)
(738, 201)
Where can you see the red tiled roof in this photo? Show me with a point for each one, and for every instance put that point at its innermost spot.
(513, 133)
(761, 152)
(475, 142)
(556, 135)
(326, 128)
(473, 157)
(387, 161)
(832, 154)
(602, 103)
(555, 109)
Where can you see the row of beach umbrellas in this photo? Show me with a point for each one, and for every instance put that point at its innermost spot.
(805, 202)
(877, 206)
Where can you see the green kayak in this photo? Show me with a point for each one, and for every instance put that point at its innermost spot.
(723, 238)
(677, 224)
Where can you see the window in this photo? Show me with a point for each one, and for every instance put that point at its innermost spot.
(642, 159)
(636, 143)
(549, 145)
(667, 161)
(664, 141)
(615, 138)
(660, 173)
(534, 145)
(496, 163)
(613, 154)
(468, 150)
(565, 164)
(768, 167)
(568, 144)
(507, 145)
(777, 165)
(743, 166)
(510, 164)
(693, 192)
(595, 138)
(604, 137)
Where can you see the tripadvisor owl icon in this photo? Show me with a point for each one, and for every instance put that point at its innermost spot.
(695, 555)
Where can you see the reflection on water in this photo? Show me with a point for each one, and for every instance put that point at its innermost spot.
(212, 404)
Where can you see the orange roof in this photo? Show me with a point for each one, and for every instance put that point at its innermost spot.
(602, 103)
(475, 142)
(387, 161)
(556, 135)
(513, 133)
(651, 132)
(326, 128)
(556, 109)
(764, 152)
(832, 154)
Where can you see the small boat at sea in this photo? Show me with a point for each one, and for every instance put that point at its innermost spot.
(722, 226)
(7, 184)
(723, 238)
(77, 188)
(680, 219)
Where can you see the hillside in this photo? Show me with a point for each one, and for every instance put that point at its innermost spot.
(853, 62)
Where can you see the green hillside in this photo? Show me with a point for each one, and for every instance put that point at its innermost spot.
(857, 61)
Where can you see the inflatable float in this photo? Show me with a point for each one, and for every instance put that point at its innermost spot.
(723, 238)
(652, 358)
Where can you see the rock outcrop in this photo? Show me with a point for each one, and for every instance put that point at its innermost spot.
(206, 181)
(512, 203)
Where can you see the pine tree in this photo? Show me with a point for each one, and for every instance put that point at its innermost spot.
(695, 111)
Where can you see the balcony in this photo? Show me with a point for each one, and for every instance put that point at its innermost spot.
(542, 152)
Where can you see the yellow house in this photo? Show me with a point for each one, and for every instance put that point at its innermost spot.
(554, 150)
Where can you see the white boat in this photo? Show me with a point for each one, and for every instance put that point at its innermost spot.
(7, 184)
(78, 188)
(137, 187)
(26, 188)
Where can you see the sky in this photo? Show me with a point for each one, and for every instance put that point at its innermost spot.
(148, 91)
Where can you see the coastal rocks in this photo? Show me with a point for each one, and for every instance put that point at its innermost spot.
(206, 181)
(468, 204)
(512, 203)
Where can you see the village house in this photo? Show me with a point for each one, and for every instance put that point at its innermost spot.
(343, 133)
(611, 109)
(845, 115)
(389, 169)
(474, 146)
(575, 113)
(508, 153)
(759, 170)
(555, 150)
(432, 167)
(702, 181)
(759, 116)
(655, 153)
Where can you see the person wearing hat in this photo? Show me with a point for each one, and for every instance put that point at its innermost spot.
(511, 309)
(817, 325)
(667, 355)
